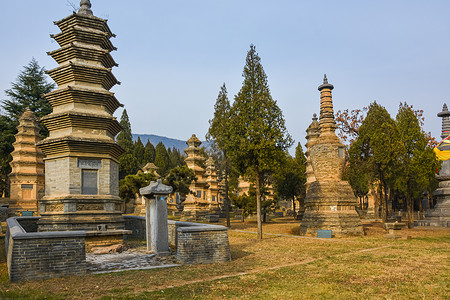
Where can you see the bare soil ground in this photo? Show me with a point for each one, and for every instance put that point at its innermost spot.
(281, 266)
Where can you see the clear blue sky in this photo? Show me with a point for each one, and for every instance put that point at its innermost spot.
(173, 56)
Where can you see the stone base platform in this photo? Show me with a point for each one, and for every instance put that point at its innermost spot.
(439, 216)
(102, 239)
(330, 205)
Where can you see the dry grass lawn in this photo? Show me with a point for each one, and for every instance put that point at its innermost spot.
(281, 266)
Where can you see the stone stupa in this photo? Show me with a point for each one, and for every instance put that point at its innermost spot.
(330, 202)
(196, 205)
(440, 214)
(82, 169)
(27, 177)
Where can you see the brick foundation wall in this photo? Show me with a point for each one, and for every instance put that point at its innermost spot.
(41, 255)
(203, 245)
(137, 226)
(196, 243)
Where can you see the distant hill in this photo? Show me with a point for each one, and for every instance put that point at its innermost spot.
(168, 142)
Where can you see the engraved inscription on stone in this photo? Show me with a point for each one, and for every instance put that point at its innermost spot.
(89, 179)
(54, 207)
(93, 164)
(89, 206)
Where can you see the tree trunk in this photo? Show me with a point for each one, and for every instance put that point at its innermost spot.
(258, 205)
(410, 209)
(384, 203)
(227, 200)
(293, 207)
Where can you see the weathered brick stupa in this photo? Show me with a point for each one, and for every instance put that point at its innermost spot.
(81, 164)
(195, 206)
(440, 214)
(27, 175)
(330, 202)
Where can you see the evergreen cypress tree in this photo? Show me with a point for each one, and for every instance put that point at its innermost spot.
(219, 136)
(161, 159)
(128, 163)
(258, 138)
(418, 161)
(376, 152)
(138, 152)
(125, 137)
(149, 152)
(25, 92)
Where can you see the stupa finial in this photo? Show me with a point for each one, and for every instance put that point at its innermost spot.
(85, 8)
(444, 108)
(325, 80)
(314, 117)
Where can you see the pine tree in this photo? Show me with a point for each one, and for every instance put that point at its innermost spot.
(174, 158)
(149, 152)
(258, 135)
(7, 131)
(138, 152)
(291, 178)
(418, 162)
(180, 178)
(128, 164)
(161, 159)
(125, 137)
(219, 136)
(25, 92)
(377, 150)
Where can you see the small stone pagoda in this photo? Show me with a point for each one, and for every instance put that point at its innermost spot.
(195, 202)
(27, 176)
(82, 169)
(330, 202)
(212, 193)
(312, 135)
(440, 214)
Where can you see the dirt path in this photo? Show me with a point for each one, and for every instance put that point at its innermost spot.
(258, 270)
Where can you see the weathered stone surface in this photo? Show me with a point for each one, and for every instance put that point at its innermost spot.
(82, 172)
(196, 243)
(440, 214)
(330, 202)
(27, 175)
(35, 255)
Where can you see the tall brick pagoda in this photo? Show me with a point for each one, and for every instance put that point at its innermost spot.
(81, 163)
(27, 175)
(195, 205)
(330, 202)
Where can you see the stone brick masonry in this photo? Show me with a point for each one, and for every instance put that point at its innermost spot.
(41, 255)
(196, 243)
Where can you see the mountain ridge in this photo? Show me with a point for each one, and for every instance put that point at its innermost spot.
(168, 142)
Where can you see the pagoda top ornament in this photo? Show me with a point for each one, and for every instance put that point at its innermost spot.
(85, 8)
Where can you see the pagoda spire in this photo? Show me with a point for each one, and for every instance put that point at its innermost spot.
(85, 8)
(327, 123)
(444, 114)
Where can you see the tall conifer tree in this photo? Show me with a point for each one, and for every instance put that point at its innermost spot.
(149, 152)
(25, 92)
(418, 161)
(128, 164)
(162, 159)
(258, 138)
(138, 152)
(219, 137)
(125, 137)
